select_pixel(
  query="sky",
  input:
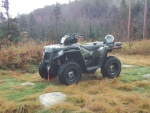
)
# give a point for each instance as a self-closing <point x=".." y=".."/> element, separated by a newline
<point x="27" y="6"/>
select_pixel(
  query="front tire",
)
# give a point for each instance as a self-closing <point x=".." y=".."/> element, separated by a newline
<point x="111" y="67"/>
<point x="44" y="74"/>
<point x="69" y="73"/>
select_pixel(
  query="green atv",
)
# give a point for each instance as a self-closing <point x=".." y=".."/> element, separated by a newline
<point x="69" y="60"/>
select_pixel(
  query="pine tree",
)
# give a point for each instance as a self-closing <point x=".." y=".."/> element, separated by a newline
<point x="56" y="18"/>
<point x="8" y="27"/>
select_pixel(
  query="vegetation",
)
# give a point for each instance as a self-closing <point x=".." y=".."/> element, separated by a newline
<point x="20" y="56"/>
<point x="94" y="19"/>
<point x="136" y="48"/>
<point x="128" y="93"/>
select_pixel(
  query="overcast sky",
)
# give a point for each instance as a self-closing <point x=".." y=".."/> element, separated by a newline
<point x="27" y="6"/>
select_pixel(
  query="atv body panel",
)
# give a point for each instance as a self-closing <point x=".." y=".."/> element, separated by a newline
<point x="88" y="57"/>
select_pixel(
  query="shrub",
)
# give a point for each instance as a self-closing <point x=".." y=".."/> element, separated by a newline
<point x="136" y="48"/>
<point x="20" y="55"/>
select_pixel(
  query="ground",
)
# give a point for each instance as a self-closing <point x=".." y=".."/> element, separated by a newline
<point x="129" y="93"/>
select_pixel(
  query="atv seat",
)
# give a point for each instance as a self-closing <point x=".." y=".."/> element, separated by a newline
<point x="90" y="47"/>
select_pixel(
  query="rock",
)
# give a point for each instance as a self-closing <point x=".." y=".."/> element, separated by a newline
<point x="28" y="84"/>
<point x="50" y="99"/>
<point x="146" y="76"/>
<point x="128" y="66"/>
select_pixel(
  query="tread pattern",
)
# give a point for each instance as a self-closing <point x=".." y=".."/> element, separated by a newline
<point x="63" y="69"/>
<point x="105" y="67"/>
<point x="43" y="72"/>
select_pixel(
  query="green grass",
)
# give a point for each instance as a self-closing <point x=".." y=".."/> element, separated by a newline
<point x="134" y="74"/>
<point x="128" y="93"/>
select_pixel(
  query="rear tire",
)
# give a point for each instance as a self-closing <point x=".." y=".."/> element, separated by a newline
<point x="43" y="72"/>
<point x="111" y="67"/>
<point x="69" y="73"/>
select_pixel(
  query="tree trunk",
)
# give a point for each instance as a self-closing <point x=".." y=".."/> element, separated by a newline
<point x="129" y="21"/>
<point x="145" y="21"/>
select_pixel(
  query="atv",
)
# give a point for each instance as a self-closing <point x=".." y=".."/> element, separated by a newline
<point x="69" y="60"/>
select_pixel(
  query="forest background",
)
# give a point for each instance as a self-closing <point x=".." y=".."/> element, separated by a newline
<point x="92" y="18"/>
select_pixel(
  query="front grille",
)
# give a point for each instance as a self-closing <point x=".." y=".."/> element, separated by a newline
<point x="47" y="56"/>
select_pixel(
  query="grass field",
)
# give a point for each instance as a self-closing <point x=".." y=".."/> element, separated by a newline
<point x="130" y="93"/>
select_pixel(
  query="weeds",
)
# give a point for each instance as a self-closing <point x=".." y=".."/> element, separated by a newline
<point x="136" y="48"/>
<point x="129" y="93"/>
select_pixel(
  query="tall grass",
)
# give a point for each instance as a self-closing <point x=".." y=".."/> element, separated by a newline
<point x="130" y="93"/>
<point x="21" y="55"/>
<point x="136" y="48"/>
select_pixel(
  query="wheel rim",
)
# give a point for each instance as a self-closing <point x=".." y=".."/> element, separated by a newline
<point x="72" y="75"/>
<point x="113" y="68"/>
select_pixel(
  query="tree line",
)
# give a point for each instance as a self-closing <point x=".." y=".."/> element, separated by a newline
<point x="94" y="19"/>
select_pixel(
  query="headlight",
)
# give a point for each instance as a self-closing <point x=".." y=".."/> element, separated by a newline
<point x="61" y="52"/>
<point x="109" y="39"/>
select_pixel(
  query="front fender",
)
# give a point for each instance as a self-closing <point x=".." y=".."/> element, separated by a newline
<point x="77" y="57"/>
<point x="103" y="54"/>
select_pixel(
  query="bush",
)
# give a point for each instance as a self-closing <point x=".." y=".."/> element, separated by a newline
<point x="21" y="55"/>
<point x="136" y="48"/>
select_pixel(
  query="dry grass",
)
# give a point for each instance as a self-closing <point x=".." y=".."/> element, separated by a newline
<point x="36" y="78"/>
<point x="33" y="98"/>
<point x="139" y="60"/>
<point x="88" y="96"/>
<point x="143" y="83"/>
<point x="80" y="100"/>
<point x="136" y="48"/>
<point x="18" y="88"/>
<point x="93" y="94"/>
<point x="24" y="107"/>
<point x="62" y="108"/>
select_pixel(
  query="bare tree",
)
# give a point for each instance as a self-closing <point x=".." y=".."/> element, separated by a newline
<point x="5" y="5"/>
<point x="145" y="20"/>
<point x="129" y="21"/>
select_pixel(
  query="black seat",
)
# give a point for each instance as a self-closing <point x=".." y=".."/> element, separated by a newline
<point x="90" y="47"/>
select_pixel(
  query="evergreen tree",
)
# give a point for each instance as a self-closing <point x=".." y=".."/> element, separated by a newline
<point x="56" y="15"/>
<point x="8" y="26"/>
<point x="92" y="34"/>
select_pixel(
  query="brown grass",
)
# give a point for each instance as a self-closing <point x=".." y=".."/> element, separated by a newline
<point x="142" y="83"/>
<point x="80" y="100"/>
<point x="126" y="87"/>
<point x="62" y="108"/>
<point x="93" y="94"/>
<point x="136" y="48"/>
<point x="18" y="88"/>
<point x="23" y="107"/>
<point x="139" y="60"/>
<point x="99" y="107"/>
<point x="36" y="78"/>
<point x="33" y="97"/>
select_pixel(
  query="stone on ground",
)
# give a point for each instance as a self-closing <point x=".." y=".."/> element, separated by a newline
<point x="146" y="76"/>
<point x="50" y="99"/>
<point x="27" y="84"/>
<point x="128" y="66"/>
